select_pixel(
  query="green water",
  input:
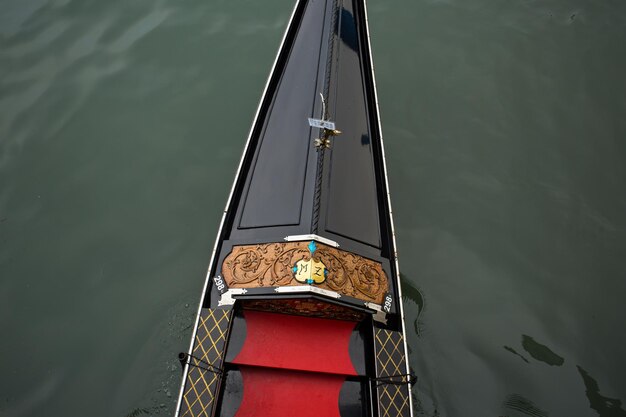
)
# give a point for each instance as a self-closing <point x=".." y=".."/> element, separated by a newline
<point x="121" y="126"/>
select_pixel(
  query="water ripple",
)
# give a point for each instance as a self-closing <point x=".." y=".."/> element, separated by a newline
<point x="139" y="29"/>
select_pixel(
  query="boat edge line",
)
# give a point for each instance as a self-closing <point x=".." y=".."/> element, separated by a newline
<point x="393" y="232"/>
<point x="228" y="203"/>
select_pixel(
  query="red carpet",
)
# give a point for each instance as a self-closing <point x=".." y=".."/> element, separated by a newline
<point x="276" y="351"/>
<point x="297" y="343"/>
<point x="279" y="393"/>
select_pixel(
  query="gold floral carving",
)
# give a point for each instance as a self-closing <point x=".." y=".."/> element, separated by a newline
<point x="271" y="265"/>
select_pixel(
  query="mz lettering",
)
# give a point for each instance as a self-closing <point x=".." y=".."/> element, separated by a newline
<point x="310" y="271"/>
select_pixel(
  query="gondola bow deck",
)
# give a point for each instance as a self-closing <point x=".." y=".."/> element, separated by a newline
<point x="301" y="313"/>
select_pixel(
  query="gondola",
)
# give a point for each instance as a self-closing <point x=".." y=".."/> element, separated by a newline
<point x="301" y="312"/>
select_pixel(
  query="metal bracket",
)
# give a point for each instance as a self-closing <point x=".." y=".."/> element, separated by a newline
<point x="299" y="238"/>
<point x="307" y="288"/>
<point x="373" y="306"/>
<point x="379" y="315"/>
<point x="227" y="298"/>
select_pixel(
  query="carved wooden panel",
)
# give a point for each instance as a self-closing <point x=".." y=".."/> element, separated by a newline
<point x="276" y="264"/>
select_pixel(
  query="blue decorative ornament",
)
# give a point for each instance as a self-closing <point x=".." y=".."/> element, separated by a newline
<point x="312" y="247"/>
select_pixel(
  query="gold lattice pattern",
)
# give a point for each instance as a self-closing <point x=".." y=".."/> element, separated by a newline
<point x="390" y="359"/>
<point x="202" y="383"/>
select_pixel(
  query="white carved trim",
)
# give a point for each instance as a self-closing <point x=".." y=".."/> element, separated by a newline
<point x="300" y="238"/>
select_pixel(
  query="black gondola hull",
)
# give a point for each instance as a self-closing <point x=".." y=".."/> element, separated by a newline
<point x="303" y="289"/>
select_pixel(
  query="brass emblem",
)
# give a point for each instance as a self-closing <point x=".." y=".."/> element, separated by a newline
<point x="326" y="126"/>
<point x="311" y="271"/>
<point x="324" y="141"/>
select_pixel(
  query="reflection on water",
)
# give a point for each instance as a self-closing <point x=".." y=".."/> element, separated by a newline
<point x="410" y="292"/>
<point x="606" y="407"/>
<point x="513" y="351"/>
<point x="523" y="405"/>
<point x="541" y="352"/>
<point x="149" y="411"/>
<point x="503" y="127"/>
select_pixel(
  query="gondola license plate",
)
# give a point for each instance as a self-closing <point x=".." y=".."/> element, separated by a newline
<point x="322" y="124"/>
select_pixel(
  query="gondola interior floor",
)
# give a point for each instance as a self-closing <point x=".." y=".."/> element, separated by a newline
<point x="293" y="365"/>
<point x="297" y="343"/>
<point x="281" y="393"/>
